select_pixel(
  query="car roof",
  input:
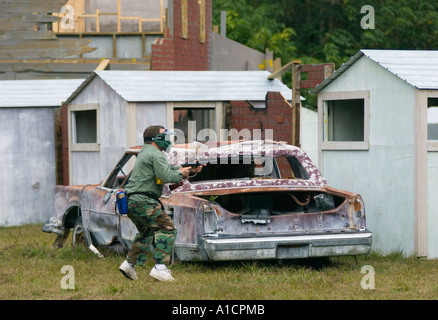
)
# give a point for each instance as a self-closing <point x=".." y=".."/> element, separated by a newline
<point x="182" y="153"/>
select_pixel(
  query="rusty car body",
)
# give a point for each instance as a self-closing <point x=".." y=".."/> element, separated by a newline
<point x="252" y="200"/>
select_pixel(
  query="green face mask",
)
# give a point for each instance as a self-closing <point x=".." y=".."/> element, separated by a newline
<point x="163" y="140"/>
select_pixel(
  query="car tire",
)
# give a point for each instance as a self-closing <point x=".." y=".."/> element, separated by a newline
<point x="79" y="238"/>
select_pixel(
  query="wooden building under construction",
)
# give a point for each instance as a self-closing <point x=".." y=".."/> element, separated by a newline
<point x="69" y="39"/>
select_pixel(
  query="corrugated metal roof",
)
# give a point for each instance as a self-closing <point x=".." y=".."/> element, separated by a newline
<point x="36" y="93"/>
<point x="136" y="86"/>
<point x="419" y="68"/>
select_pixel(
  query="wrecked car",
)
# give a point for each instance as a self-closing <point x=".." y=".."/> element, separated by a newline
<point x="252" y="200"/>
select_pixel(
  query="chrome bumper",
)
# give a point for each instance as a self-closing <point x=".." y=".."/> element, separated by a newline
<point x="287" y="247"/>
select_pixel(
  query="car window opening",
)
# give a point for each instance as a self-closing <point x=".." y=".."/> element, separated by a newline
<point x="277" y="203"/>
<point x="118" y="177"/>
<point x="251" y="168"/>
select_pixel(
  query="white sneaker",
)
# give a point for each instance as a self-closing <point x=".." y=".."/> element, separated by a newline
<point x="128" y="271"/>
<point x="161" y="274"/>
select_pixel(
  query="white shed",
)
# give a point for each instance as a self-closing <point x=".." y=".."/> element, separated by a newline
<point x="111" y="109"/>
<point x="27" y="148"/>
<point x="378" y="136"/>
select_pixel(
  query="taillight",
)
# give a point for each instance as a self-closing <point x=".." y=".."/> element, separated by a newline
<point x="357" y="213"/>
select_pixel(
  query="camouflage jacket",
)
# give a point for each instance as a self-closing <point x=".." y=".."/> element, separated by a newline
<point x="150" y="172"/>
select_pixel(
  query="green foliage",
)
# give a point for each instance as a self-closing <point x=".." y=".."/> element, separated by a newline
<point x="257" y="26"/>
<point x="329" y="31"/>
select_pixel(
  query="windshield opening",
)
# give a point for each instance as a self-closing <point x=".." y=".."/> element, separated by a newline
<point x="119" y="177"/>
<point x="251" y="168"/>
<point x="237" y="168"/>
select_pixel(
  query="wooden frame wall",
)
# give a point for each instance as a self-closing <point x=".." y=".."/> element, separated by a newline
<point x="80" y="18"/>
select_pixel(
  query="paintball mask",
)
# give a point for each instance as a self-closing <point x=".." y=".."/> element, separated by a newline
<point x="163" y="139"/>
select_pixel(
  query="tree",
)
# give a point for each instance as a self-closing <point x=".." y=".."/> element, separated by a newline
<point x="257" y="26"/>
<point x="329" y="30"/>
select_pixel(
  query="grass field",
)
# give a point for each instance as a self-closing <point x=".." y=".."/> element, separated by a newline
<point x="31" y="269"/>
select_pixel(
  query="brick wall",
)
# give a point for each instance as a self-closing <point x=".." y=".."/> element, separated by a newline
<point x="276" y="116"/>
<point x="163" y="55"/>
<point x="316" y="73"/>
<point x="178" y="53"/>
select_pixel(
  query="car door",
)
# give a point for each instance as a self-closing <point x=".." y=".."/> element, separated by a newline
<point x="106" y="225"/>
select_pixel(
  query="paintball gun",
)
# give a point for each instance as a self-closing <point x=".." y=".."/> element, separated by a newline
<point x="191" y="164"/>
<point x="185" y="165"/>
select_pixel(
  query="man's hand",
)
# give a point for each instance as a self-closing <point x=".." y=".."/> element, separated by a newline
<point x="185" y="171"/>
<point x="197" y="168"/>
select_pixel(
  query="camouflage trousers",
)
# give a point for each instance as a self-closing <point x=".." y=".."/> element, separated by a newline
<point x="154" y="228"/>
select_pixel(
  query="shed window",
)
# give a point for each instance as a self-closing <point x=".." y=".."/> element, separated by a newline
<point x="191" y="120"/>
<point x="432" y="118"/>
<point x="196" y="121"/>
<point x="84" y="126"/>
<point x="345" y="120"/>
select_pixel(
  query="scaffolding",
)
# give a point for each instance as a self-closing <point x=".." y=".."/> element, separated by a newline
<point x="78" y="13"/>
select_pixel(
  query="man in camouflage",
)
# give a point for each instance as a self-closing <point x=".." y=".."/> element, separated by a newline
<point x="150" y="172"/>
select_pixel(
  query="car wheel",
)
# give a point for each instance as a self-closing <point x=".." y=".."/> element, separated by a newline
<point x="79" y="237"/>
